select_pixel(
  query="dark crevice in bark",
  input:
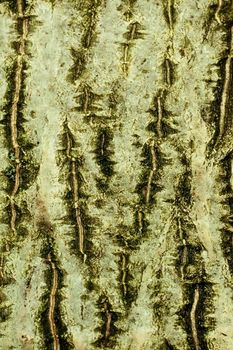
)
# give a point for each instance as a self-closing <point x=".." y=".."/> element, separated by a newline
<point x="103" y="156"/>
<point x="5" y="279"/>
<point x="75" y="196"/>
<point x="157" y="309"/>
<point x="22" y="169"/>
<point x="113" y="99"/>
<point x="23" y="217"/>
<point x="134" y="32"/>
<point x="216" y="108"/>
<point x="212" y="118"/>
<point x="127" y="237"/>
<point x="88" y="10"/>
<point x="226" y="14"/>
<point x="194" y="314"/>
<point x="127" y="7"/>
<point x="126" y="281"/>
<point x="53" y="328"/>
<point x="189" y="263"/>
<point x="210" y="19"/>
<point x="132" y="35"/>
<point x="160" y="124"/>
<point x="205" y="321"/>
<point x="49" y="315"/>
<point x="222" y="107"/>
<point x="226" y="232"/>
<point x="5" y="276"/>
<point x="108" y="330"/>
<point x="190" y="267"/>
<point x="184" y="195"/>
<point x="103" y="143"/>
<point x="14" y="5"/>
<point x="123" y="273"/>
<point x="28" y="167"/>
<point x="167" y="346"/>
<point x="10" y="171"/>
<point x="79" y="64"/>
<point x="86" y="101"/>
<point x="5" y="313"/>
<point x="140" y="222"/>
<point x="90" y="112"/>
<point x="128" y="241"/>
<point x="197" y="290"/>
<point x="169" y="13"/>
<point x="168" y="72"/>
<point x="147" y="186"/>
<point x="90" y="13"/>
<point x="9" y="95"/>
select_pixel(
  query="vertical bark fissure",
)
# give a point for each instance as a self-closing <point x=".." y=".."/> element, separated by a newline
<point x="124" y="274"/>
<point x="108" y="321"/>
<point x="152" y="171"/>
<point x="160" y="115"/>
<point x="170" y="15"/>
<point x="92" y="112"/>
<point x="227" y="241"/>
<point x="217" y="13"/>
<point x="226" y="90"/>
<point x="149" y="189"/>
<point x="75" y="190"/>
<point x="203" y="250"/>
<point x="193" y="318"/>
<point x="14" y="108"/>
<point x="52" y="304"/>
<point x="90" y="28"/>
<point x="85" y="103"/>
<point x="131" y="35"/>
<point x="168" y="72"/>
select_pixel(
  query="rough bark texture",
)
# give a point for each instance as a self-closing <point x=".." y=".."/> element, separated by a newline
<point x="116" y="174"/>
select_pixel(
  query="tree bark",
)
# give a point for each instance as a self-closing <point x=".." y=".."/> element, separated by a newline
<point x="116" y="174"/>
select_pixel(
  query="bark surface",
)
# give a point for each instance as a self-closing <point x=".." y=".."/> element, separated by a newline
<point x="116" y="174"/>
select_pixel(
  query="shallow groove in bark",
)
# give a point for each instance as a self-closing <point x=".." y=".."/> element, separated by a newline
<point x="108" y="330"/>
<point x="227" y="241"/>
<point x="227" y="84"/>
<point x="103" y="154"/>
<point x="222" y="107"/>
<point x="90" y="111"/>
<point x="86" y="102"/>
<point x="169" y="13"/>
<point x="55" y="335"/>
<point x="75" y="186"/>
<point x="12" y="118"/>
<point x="13" y="110"/>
